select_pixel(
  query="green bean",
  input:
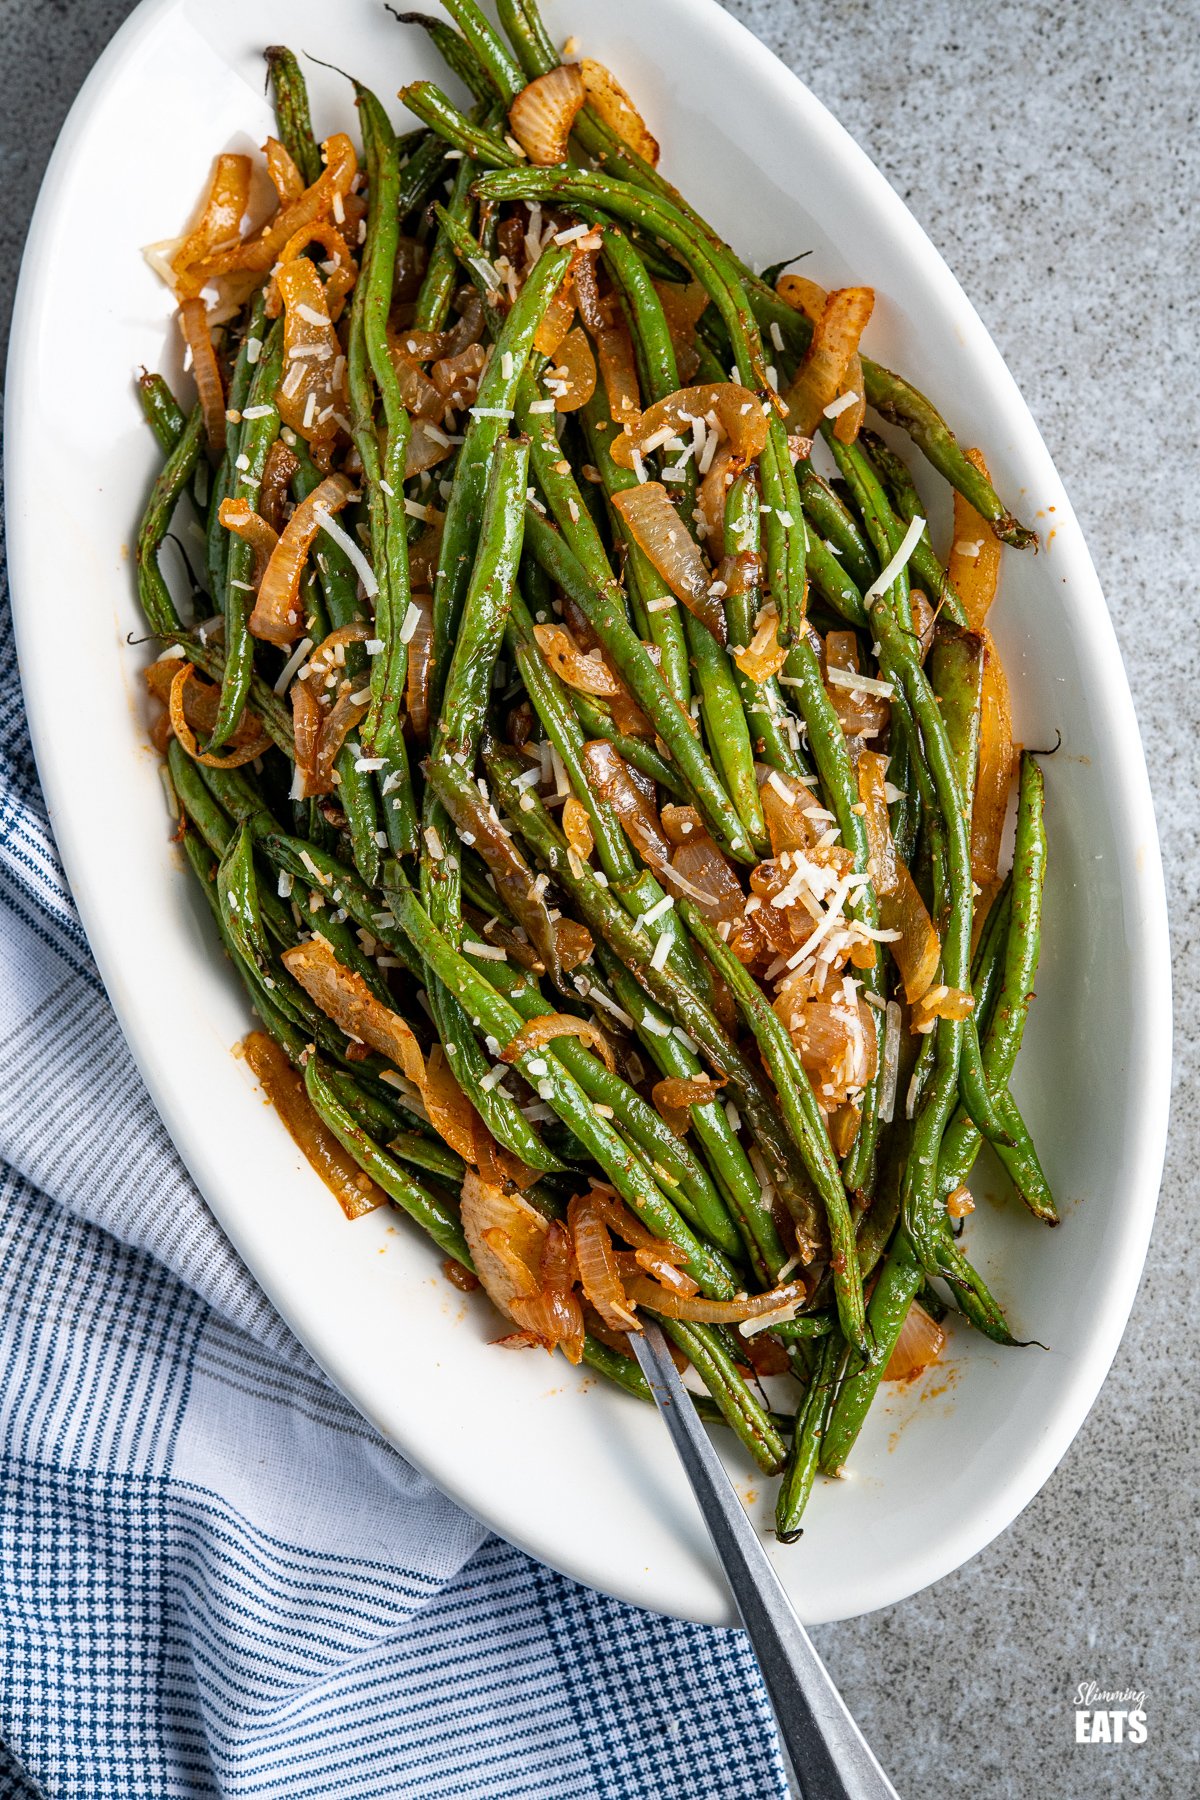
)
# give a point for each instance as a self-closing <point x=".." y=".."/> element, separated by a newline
<point x="677" y="1170"/>
<point x="153" y="592"/>
<point x="803" y="1116"/>
<point x="431" y="1214"/>
<point x="893" y="1294"/>
<point x="766" y="709"/>
<point x="906" y="503"/>
<point x="528" y="37"/>
<point x="605" y="614"/>
<point x="437" y="285"/>
<point x="605" y="916"/>
<point x="639" y="752"/>
<point x="436" y="109"/>
<point x="255" y="440"/>
<point x="459" y="56"/>
<point x="485" y="608"/>
<point x="734" y="1176"/>
<point x="494" y="403"/>
<point x="291" y="112"/>
<point x="801" y="1467"/>
<point x="368" y="349"/>
<point x="163" y="413"/>
<point x="746" y="1418"/>
<point x="488" y="47"/>
<point x="896" y="400"/>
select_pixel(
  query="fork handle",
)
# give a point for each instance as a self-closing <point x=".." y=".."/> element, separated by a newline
<point x="829" y="1754"/>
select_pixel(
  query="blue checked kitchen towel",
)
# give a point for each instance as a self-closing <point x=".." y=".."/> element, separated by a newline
<point x="215" y="1578"/>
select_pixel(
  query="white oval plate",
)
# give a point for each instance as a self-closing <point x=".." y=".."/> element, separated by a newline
<point x="585" y="1481"/>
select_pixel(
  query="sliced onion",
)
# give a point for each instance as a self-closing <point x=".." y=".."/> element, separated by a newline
<point x="586" y="674"/>
<point x="341" y="278"/>
<point x="307" y="714"/>
<point x="920" y="1343"/>
<point x="420" y="666"/>
<point x="708" y="879"/>
<point x="468" y="327"/>
<point x="285" y="176"/>
<point x="422" y="396"/>
<point x="313" y="388"/>
<point x="764" y="655"/>
<point x="577" y="828"/>
<point x="681" y="1091"/>
<point x="974" y="565"/>
<point x="201" y="703"/>
<point x="822" y="374"/>
<point x="344" y="997"/>
<point x="544" y="112"/>
<point x="837" y="1044"/>
<point x="239" y="517"/>
<point x="554" y="1314"/>
<point x="917" y="950"/>
<point x="737" y="410"/>
<point x="960" y="1203"/>
<point x="193" y="320"/>
<point x="456" y="378"/>
<point x="278" y="470"/>
<point x="277" y="614"/>
<point x="256" y="255"/>
<point x="598" y="1264"/>
<point x="356" y="1193"/>
<point x="872" y="791"/>
<point x="618" y="371"/>
<point x="613" y="780"/>
<point x="544" y="1030"/>
<point x="683" y="304"/>
<point x="343" y="717"/>
<point x="573" y="944"/>
<point x="997" y="762"/>
<point x="574" y="374"/>
<point x="606" y="95"/>
<point x="507" y="1263"/>
<point x="941" y="1002"/>
<point x="557" y="319"/>
<point x="860" y="712"/>
<point x="219" y="225"/>
<point x="657" y="529"/>
<point x="711" y="499"/>
<point x="427" y="447"/>
<point x="516" y="886"/>
<point x="177" y="710"/>
<point x="423" y="556"/>
<point x="702" y="1311"/>
<point x="802" y="295"/>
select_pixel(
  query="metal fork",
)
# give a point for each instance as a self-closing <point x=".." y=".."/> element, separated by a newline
<point x="831" y="1758"/>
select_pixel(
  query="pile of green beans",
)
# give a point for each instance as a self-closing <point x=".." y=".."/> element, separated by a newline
<point x="443" y="842"/>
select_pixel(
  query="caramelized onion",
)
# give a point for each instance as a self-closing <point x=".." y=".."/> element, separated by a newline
<point x="307" y="714"/>
<point x="917" y="950"/>
<point x="606" y="95"/>
<point x="505" y="1236"/>
<point x="549" y="1026"/>
<point x="675" y="1095"/>
<point x="428" y="446"/>
<point x="993" y="779"/>
<point x="860" y="712"/>
<point x="277" y="616"/>
<point x="657" y="530"/>
<point x="974" y="565"/>
<point x="737" y="410"/>
<point x="554" y="1313"/>
<point x="257" y="255"/>
<point x="597" y="1264"/>
<point x="557" y="319"/>
<point x="920" y="1343"/>
<point x="201" y="703"/>
<point x="872" y="791"/>
<point x="177" y="710"/>
<point x="544" y="112"/>
<point x="356" y="1193"/>
<point x="284" y="175"/>
<point x="764" y="655"/>
<point x="239" y="517"/>
<point x="344" y="997"/>
<point x="281" y="465"/>
<point x="572" y="381"/>
<point x="822" y="374"/>
<point x="784" y="1300"/>
<point x="613" y="780"/>
<point x="618" y="371"/>
<point x="313" y="388"/>
<point x="343" y="717"/>
<point x="456" y="378"/>
<point x="586" y="674"/>
<point x="577" y="828"/>
<point x="219" y="224"/>
<point x="193" y="320"/>
<point x="941" y="1002"/>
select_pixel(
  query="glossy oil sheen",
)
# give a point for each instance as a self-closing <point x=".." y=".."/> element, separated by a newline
<point x="577" y="1474"/>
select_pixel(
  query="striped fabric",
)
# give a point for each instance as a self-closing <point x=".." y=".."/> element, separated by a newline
<point x="215" y="1578"/>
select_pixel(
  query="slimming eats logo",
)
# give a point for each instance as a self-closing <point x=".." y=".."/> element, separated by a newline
<point x="1109" y="1717"/>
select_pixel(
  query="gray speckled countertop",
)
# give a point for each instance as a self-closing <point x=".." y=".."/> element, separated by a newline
<point x="1051" y="152"/>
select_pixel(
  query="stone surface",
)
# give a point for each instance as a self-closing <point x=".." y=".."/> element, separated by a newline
<point x="1051" y="152"/>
